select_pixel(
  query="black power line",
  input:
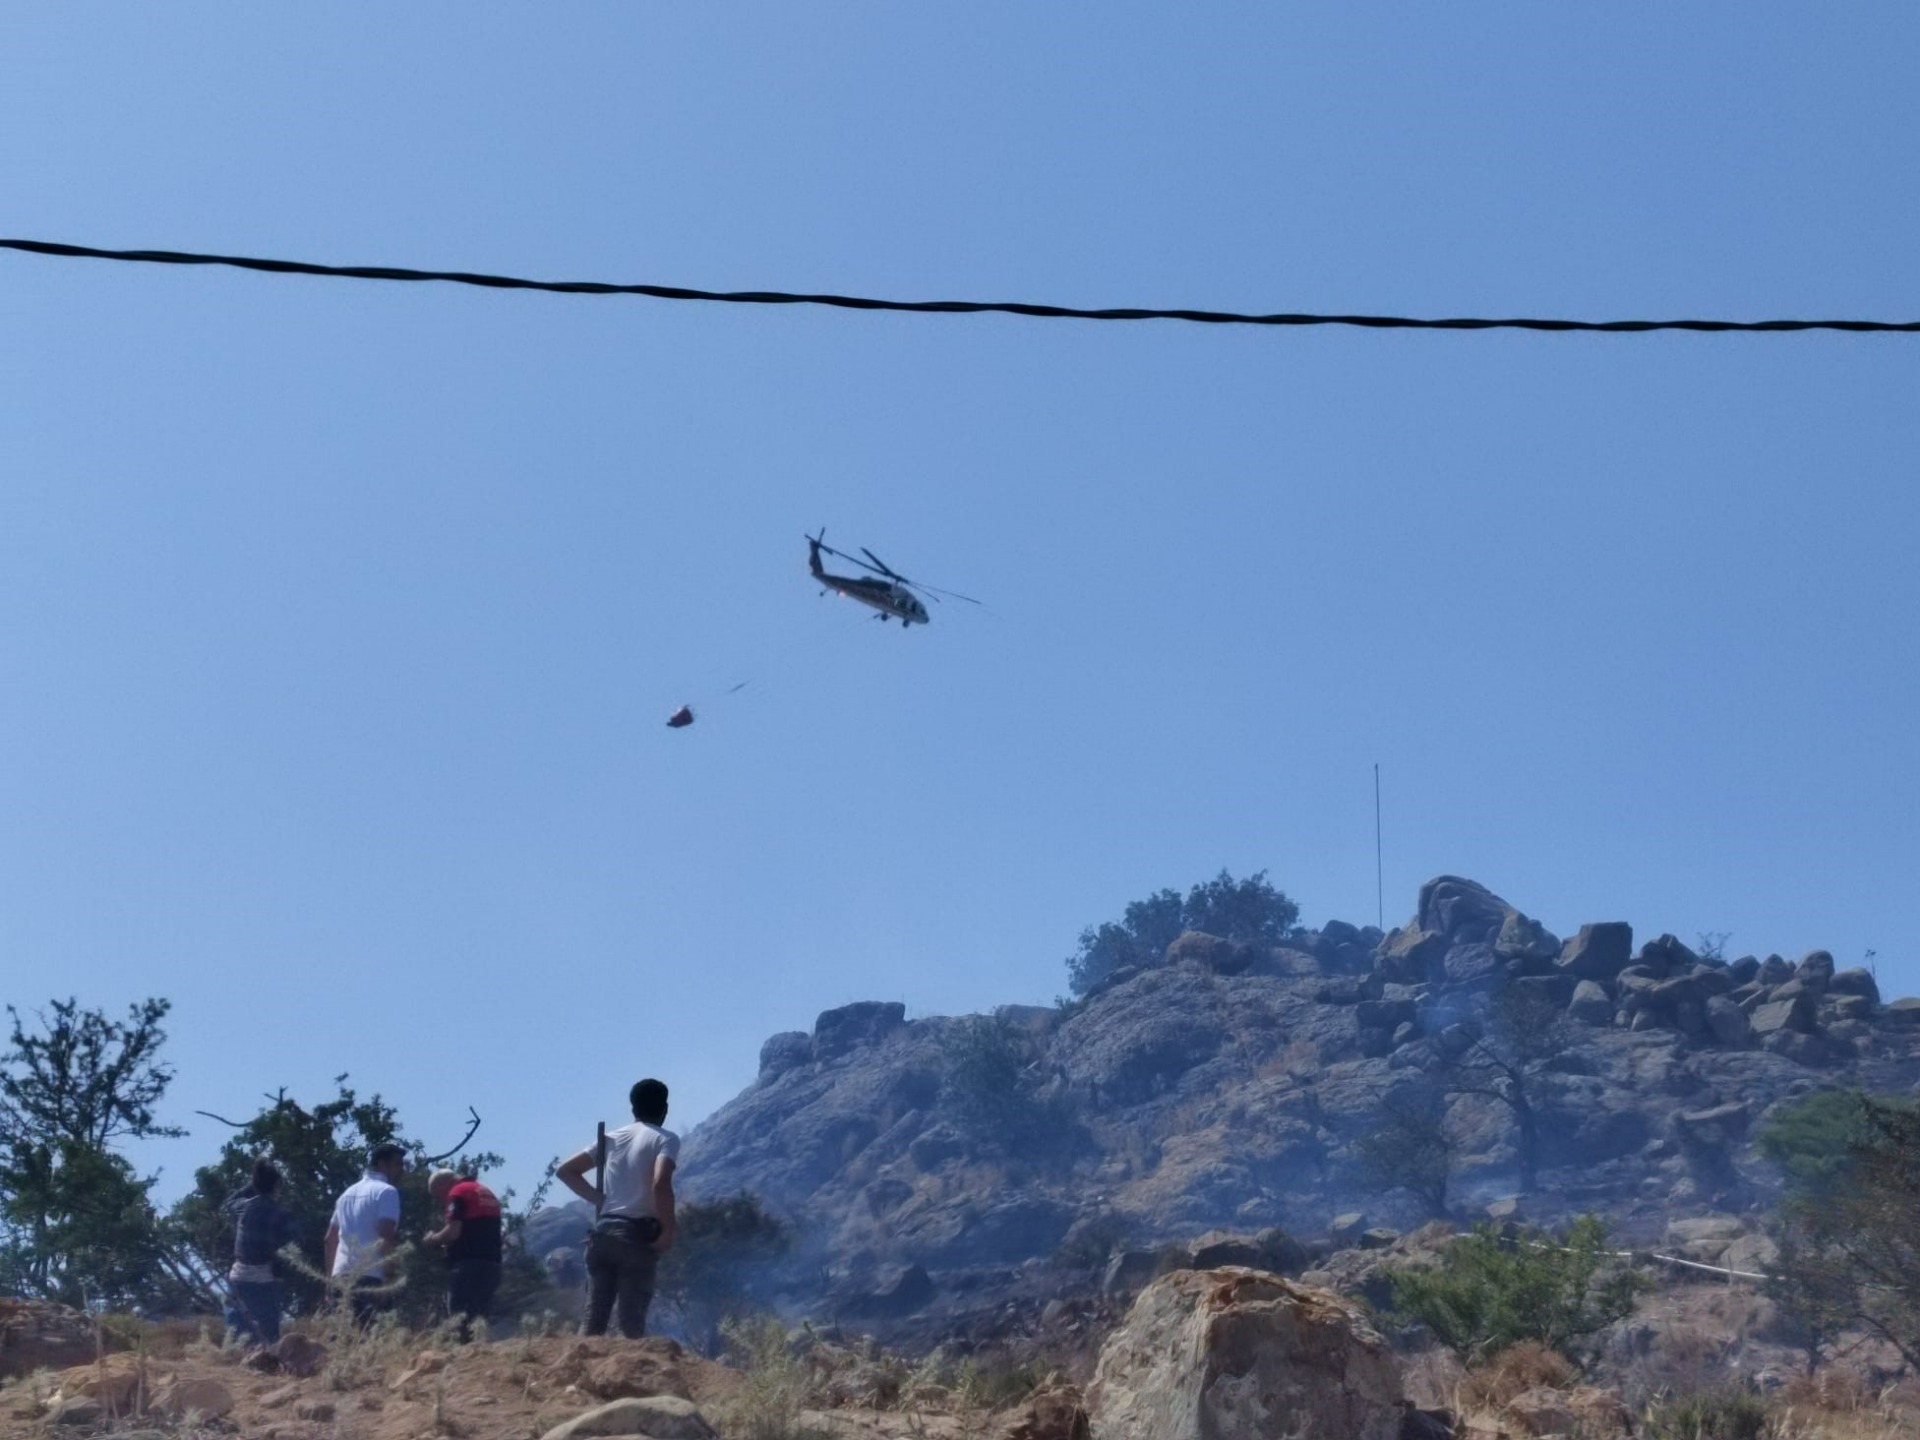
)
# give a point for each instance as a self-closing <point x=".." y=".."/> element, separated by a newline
<point x="940" y="307"/>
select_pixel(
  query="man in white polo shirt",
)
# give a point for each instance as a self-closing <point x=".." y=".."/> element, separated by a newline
<point x="635" y="1206"/>
<point x="365" y="1229"/>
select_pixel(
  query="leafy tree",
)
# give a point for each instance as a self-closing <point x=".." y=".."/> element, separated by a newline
<point x="1815" y="1300"/>
<point x="79" y="1228"/>
<point x="1409" y="1149"/>
<point x="1850" y="1229"/>
<point x="1491" y="1291"/>
<point x="85" y="1078"/>
<point x="76" y="1224"/>
<point x="1247" y="909"/>
<point x="722" y="1248"/>
<point x="1505" y="1059"/>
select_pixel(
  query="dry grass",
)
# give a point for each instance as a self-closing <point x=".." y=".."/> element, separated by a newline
<point x="1686" y="1360"/>
<point x="777" y="1384"/>
<point x="1526" y="1366"/>
<point x="1840" y="1404"/>
<point x="1298" y="1058"/>
<point x="362" y="1355"/>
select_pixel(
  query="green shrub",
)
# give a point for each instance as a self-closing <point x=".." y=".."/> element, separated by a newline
<point x="1714" y="1415"/>
<point x="990" y="1091"/>
<point x="1248" y="909"/>
<point x="722" y="1248"/>
<point x="1491" y="1290"/>
<point x="1813" y="1138"/>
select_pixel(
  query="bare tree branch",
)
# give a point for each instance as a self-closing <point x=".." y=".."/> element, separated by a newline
<point x="472" y="1128"/>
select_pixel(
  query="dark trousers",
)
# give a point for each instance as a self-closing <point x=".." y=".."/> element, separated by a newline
<point x="370" y="1299"/>
<point x="620" y="1271"/>
<point x="253" y="1309"/>
<point x="470" y="1288"/>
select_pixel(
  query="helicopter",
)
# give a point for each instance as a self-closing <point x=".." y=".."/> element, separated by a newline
<point x="891" y="593"/>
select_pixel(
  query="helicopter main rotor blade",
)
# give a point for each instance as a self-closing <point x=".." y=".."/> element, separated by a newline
<point x="856" y="560"/>
<point x="935" y="590"/>
<point x="881" y="567"/>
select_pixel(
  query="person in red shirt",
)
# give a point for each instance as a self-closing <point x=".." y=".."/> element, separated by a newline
<point x="470" y="1231"/>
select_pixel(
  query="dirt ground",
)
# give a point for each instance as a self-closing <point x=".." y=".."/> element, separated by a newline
<point x="401" y="1386"/>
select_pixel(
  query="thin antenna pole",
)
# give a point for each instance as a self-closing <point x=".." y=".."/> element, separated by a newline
<point x="1379" y="870"/>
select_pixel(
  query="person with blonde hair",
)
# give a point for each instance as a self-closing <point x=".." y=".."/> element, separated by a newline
<point x="470" y="1231"/>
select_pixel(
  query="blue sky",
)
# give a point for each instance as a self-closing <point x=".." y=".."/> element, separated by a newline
<point x="340" y="620"/>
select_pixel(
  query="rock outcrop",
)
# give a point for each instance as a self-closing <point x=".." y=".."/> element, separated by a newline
<point x="39" y="1335"/>
<point x="1229" y="1089"/>
<point x="1235" y="1354"/>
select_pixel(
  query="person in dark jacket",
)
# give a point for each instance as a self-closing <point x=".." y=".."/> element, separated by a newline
<point x="471" y="1232"/>
<point x="263" y="1227"/>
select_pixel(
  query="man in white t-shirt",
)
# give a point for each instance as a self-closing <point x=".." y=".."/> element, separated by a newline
<point x="364" y="1230"/>
<point x="634" y="1203"/>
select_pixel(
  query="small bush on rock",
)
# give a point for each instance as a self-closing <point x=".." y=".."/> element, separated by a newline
<point x="1814" y="1138"/>
<point x="991" y="1093"/>
<point x="1715" y="1415"/>
<point x="1526" y="1366"/>
<point x="1410" y="1149"/>
<point x="724" y="1245"/>
<point x="1247" y="909"/>
<point x="1493" y="1290"/>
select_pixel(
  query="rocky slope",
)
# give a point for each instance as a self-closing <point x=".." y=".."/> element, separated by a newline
<point x="1227" y="1087"/>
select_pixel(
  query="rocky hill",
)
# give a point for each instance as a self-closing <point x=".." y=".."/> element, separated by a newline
<point x="1226" y="1088"/>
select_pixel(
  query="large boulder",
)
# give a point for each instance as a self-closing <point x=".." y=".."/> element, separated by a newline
<point x="40" y="1335"/>
<point x="1235" y="1354"/>
<point x="897" y="1291"/>
<point x="1590" y="1004"/>
<point x="1774" y="1016"/>
<point x="1665" y="955"/>
<point x="1463" y="934"/>
<point x="783" y="1052"/>
<point x="1473" y="963"/>
<point x="1523" y="939"/>
<point x="1464" y="911"/>
<point x="183" y="1397"/>
<point x="1728" y="1022"/>
<point x="659" y="1417"/>
<point x="1213" y="952"/>
<point x="1409" y="955"/>
<point x="1815" y="970"/>
<point x="866" y="1022"/>
<point x="1904" y="1011"/>
<point x="1857" y="981"/>
<point x="1598" y="952"/>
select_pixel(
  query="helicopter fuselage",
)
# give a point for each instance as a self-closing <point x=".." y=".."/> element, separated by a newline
<point x="892" y="599"/>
